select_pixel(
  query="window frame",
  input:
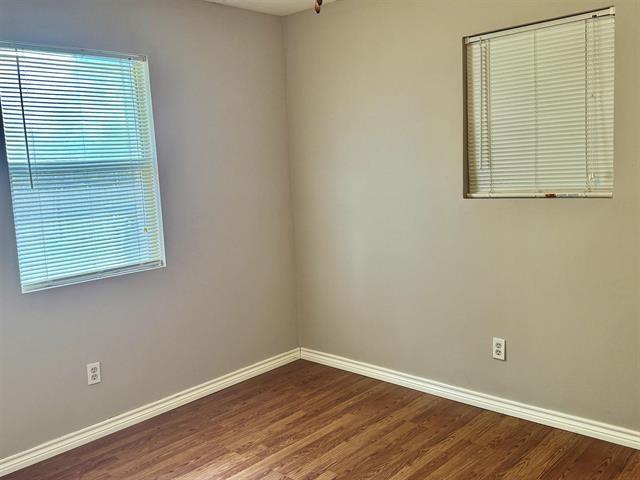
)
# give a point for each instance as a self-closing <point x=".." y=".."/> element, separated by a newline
<point x="158" y="263"/>
<point x="466" y="40"/>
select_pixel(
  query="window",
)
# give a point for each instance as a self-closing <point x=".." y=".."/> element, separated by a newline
<point x="79" y="142"/>
<point x="539" y="102"/>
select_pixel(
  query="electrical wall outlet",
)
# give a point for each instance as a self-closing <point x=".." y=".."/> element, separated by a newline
<point x="499" y="348"/>
<point x="93" y="373"/>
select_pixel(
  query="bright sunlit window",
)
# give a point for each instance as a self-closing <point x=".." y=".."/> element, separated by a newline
<point x="79" y="143"/>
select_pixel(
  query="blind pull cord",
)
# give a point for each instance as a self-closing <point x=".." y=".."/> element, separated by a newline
<point x="482" y="99"/>
<point x="24" y="119"/>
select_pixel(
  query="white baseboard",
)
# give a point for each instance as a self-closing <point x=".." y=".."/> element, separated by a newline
<point x="591" y="428"/>
<point x="583" y="426"/>
<point x="124" y="420"/>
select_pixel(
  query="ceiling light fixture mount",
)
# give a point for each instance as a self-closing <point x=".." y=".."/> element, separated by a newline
<point x="318" y="6"/>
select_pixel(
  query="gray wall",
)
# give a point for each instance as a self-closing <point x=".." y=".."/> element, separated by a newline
<point x="396" y="269"/>
<point x="226" y="298"/>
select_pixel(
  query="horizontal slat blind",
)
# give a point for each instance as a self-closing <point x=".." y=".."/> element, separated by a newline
<point x="540" y="110"/>
<point x="81" y="152"/>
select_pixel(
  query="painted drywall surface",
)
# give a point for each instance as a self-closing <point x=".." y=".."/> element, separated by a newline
<point x="395" y="268"/>
<point x="225" y="299"/>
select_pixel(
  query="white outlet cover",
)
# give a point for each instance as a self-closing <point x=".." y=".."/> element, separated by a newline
<point x="94" y="375"/>
<point x="499" y="349"/>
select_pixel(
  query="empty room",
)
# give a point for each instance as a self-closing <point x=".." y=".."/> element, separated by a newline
<point x="319" y="239"/>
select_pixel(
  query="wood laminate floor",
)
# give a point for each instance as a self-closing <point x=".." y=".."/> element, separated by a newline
<point x="307" y="421"/>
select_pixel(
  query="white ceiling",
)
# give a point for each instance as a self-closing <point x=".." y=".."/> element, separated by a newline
<point x="274" y="7"/>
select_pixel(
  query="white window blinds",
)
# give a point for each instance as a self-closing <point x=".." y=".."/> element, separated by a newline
<point x="540" y="109"/>
<point x="80" y="147"/>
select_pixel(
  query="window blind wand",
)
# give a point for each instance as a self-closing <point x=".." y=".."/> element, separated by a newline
<point x="24" y="119"/>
